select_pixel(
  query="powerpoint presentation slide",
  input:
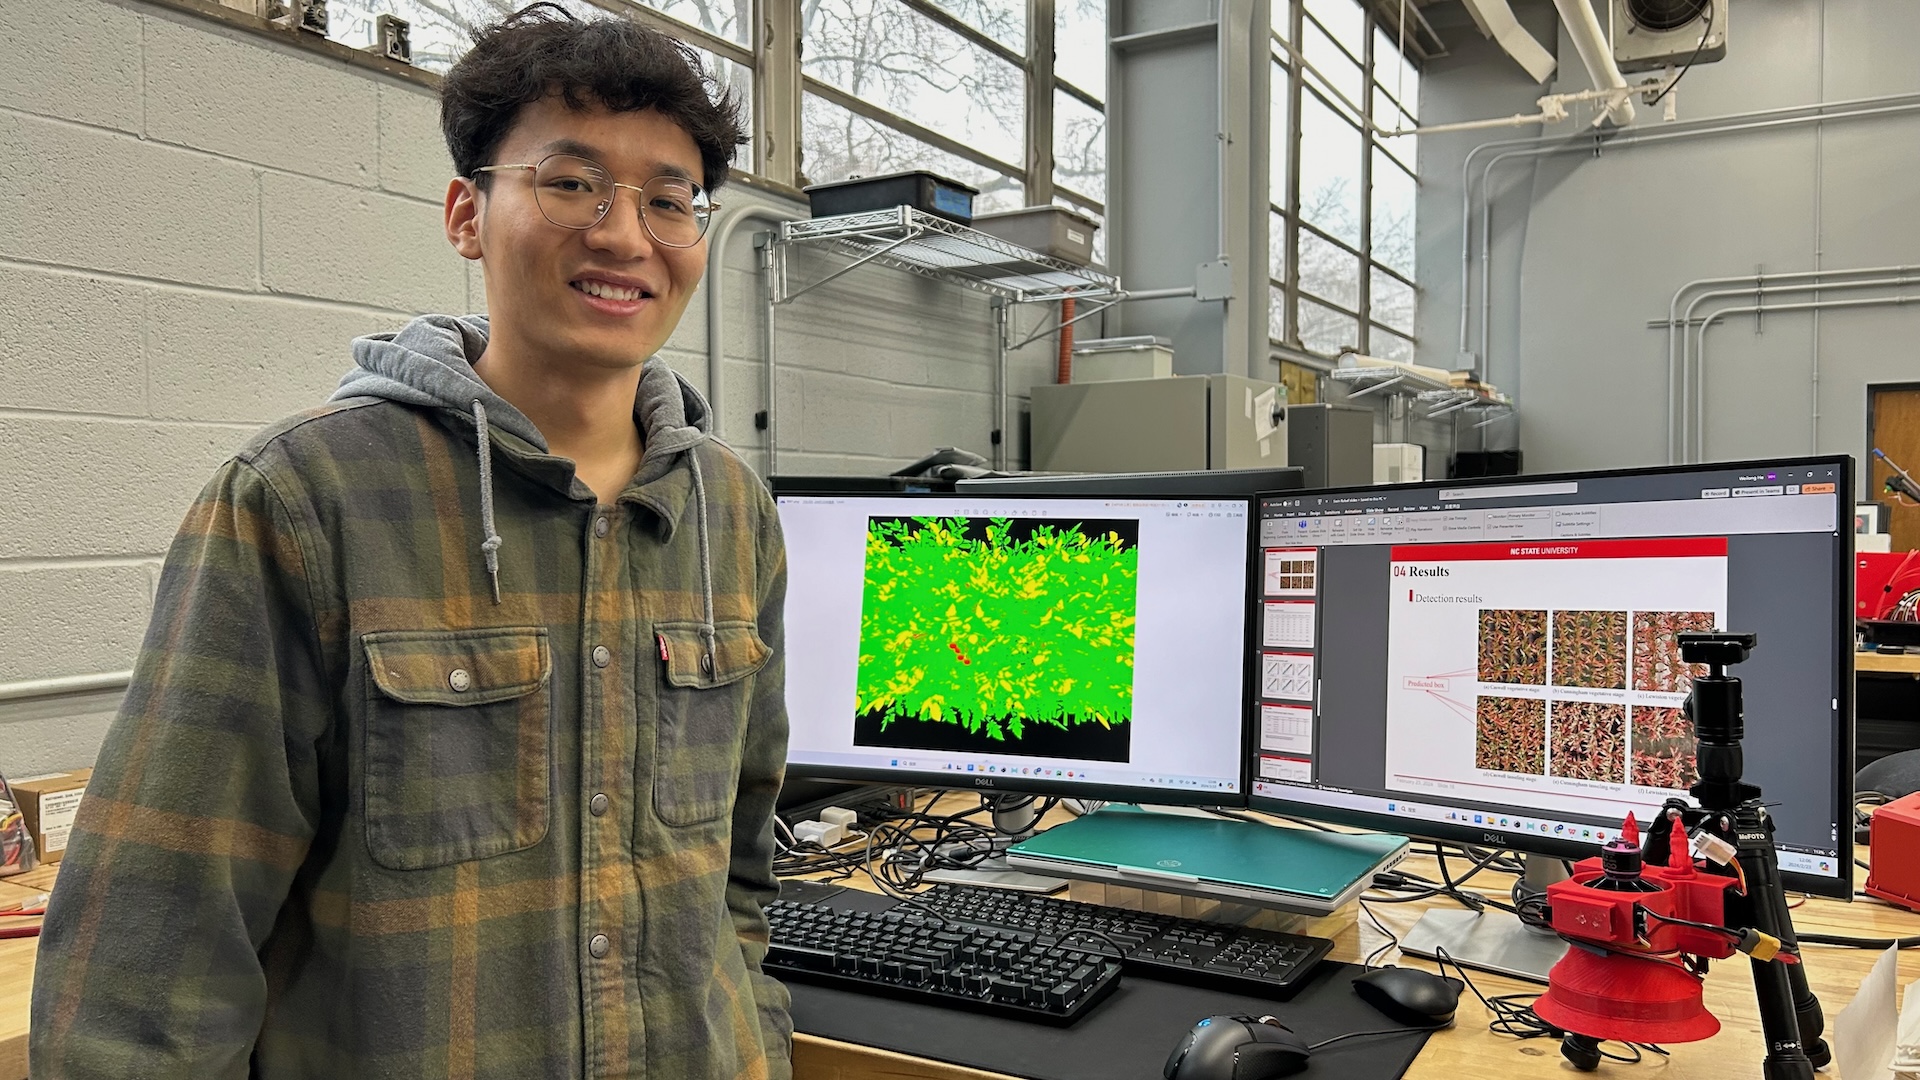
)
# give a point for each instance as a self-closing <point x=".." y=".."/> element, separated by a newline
<point x="1510" y="735"/>
<point x="1286" y="729"/>
<point x="1513" y="647"/>
<point x="1587" y="740"/>
<point x="1663" y="747"/>
<point x="1288" y="676"/>
<point x="1656" y="649"/>
<point x="1292" y="571"/>
<point x="1292" y="770"/>
<point x="1008" y="635"/>
<point x="1590" y="649"/>
<point x="1288" y="624"/>
<point x="1514" y="669"/>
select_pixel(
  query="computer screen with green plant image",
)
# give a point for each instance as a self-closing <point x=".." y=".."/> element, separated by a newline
<point x="1014" y="643"/>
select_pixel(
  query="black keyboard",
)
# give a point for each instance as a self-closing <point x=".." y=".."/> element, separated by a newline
<point x="905" y="953"/>
<point x="1237" y="958"/>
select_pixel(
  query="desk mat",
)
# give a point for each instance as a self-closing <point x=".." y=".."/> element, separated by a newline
<point x="1127" y="1036"/>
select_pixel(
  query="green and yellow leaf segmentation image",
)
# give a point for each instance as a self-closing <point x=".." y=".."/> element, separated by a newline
<point x="1027" y="622"/>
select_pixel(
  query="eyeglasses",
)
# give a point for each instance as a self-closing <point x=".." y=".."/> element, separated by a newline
<point x="577" y="193"/>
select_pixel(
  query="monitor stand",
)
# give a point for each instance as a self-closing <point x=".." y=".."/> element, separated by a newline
<point x="1014" y="819"/>
<point x="1492" y="940"/>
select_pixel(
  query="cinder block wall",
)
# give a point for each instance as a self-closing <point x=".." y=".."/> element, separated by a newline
<point x="195" y="221"/>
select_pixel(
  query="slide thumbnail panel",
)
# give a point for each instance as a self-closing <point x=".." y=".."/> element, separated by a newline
<point x="1513" y="646"/>
<point x="1590" y="649"/>
<point x="1588" y="741"/>
<point x="1663" y="748"/>
<point x="1656" y="649"/>
<point x="1510" y="735"/>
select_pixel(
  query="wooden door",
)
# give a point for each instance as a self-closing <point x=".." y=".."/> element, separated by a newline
<point x="1893" y="425"/>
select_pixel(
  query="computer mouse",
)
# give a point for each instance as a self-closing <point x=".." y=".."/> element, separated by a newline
<point x="1411" y="996"/>
<point x="1237" y="1048"/>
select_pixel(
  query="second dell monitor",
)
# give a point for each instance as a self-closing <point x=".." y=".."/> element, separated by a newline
<point x="1085" y="644"/>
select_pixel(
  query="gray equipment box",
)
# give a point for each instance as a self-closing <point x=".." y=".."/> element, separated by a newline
<point x="1160" y="425"/>
<point x="1049" y="230"/>
<point x="1333" y="443"/>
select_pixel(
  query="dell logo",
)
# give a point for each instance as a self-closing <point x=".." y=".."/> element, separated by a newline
<point x="1493" y="838"/>
<point x="981" y="781"/>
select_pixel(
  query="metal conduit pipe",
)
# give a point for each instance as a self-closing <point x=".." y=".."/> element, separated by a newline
<point x="60" y="686"/>
<point x="1630" y="139"/>
<point x="1680" y="129"/>
<point x="716" y="252"/>
<point x="1759" y="282"/>
<point x="1751" y="309"/>
<point x="1689" y="369"/>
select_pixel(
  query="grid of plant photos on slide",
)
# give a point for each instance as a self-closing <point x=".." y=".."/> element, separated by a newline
<point x="1009" y="635"/>
<point x="1513" y="647"/>
<point x="1510" y="734"/>
<point x="1663" y="746"/>
<point x="1590" y="649"/>
<point x="1587" y="740"/>
<point x="1656" y="649"/>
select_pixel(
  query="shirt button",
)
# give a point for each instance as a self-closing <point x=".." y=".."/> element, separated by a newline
<point x="459" y="680"/>
<point x="602" y="656"/>
<point x="597" y="804"/>
<point x="598" y="945"/>
<point x="600" y="526"/>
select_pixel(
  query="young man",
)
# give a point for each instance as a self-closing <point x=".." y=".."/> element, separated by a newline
<point x="453" y="747"/>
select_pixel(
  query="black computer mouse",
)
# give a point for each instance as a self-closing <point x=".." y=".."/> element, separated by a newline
<point x="1237" y="1048"/>
<point x="1411" y="996"/>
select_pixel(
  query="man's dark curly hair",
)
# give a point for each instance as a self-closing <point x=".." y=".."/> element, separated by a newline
<point x="617" y="63"/>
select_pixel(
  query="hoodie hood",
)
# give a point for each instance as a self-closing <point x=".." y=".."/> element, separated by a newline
<point x="428" y="363"/>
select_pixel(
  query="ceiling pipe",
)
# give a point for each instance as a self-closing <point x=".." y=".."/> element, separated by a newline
<point x="716" y="304"/>
<point x="1583" y="26"/>
<point x="1761" y="309"/>
<point x="1495" y="20"/>
<point x="1680" y="362"/>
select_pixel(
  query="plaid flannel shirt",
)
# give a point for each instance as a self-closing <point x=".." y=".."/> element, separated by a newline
<point x="357" y="819"/>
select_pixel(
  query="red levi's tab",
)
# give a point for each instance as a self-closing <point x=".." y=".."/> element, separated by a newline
<point x="1636" y="548"/>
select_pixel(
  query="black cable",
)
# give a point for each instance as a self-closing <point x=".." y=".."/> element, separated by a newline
<point x="1705" y="32"/>
<point x="1845" y="942"/>
<point x="1364" y="1034"/>
<point x="1514" y="1015"/>
<point x="1119" y="952"/>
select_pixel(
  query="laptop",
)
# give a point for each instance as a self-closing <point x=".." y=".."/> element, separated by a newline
<point x="1297" y="870"/>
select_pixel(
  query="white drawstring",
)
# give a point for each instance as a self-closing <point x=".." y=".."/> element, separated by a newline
<point x="489" y="547"/>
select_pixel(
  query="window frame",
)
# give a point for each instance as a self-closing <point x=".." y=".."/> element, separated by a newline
<point x="1285" y="51"/>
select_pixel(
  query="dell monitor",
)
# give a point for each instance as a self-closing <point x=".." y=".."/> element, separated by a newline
<point x="1085" y="645"/>
<point x="1214" y="482"/>
<point x="1494" y="661"/>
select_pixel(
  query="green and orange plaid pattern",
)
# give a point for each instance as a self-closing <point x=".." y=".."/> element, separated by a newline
<point x="347" y="823"/>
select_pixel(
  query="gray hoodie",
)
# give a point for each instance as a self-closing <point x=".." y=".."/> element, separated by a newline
<point x="429" y="363"/>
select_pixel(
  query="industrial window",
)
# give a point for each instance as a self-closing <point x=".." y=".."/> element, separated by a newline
<point x="1341" y="197"/>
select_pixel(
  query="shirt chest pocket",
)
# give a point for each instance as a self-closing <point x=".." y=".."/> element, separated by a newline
<point x="704" y="701"/>
<point x="456" y="748"/>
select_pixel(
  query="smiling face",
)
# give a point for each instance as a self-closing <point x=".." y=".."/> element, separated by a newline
<point x="605" y="297"/>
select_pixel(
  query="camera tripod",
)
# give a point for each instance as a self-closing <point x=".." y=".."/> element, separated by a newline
<point x="1729" y="809"/>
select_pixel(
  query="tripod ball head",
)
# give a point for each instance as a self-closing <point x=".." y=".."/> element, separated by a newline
<point x="1718" y="651"/>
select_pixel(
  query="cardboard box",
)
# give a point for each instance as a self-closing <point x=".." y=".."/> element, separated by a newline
<point x="49" y="804"/>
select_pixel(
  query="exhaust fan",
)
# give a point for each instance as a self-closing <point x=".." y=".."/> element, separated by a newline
<point x="1653" y="34"/>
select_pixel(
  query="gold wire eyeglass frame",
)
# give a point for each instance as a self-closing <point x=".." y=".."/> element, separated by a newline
<point x="704" y="215"/>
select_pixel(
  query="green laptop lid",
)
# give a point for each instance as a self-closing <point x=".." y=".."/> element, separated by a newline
<point x="1303" y="862"/>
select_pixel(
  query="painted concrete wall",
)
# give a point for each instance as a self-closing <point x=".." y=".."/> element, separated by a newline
<point x="181" y="263"/>
<point x="1587" y="250"/>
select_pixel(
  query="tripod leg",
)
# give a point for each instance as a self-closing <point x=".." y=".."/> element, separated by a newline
<point x="1784" y="1013"/>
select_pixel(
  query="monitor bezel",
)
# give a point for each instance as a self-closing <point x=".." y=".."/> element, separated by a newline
<point x="1838" y="888"/>
<point x="1003" y="784"/>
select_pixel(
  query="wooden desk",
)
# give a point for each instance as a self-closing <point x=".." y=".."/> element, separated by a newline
<point x="1465" y="1050"/>
<point x="1468" y="1049"/>
<point x="16" y="971"/>
<point x="1880" y="663"/>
